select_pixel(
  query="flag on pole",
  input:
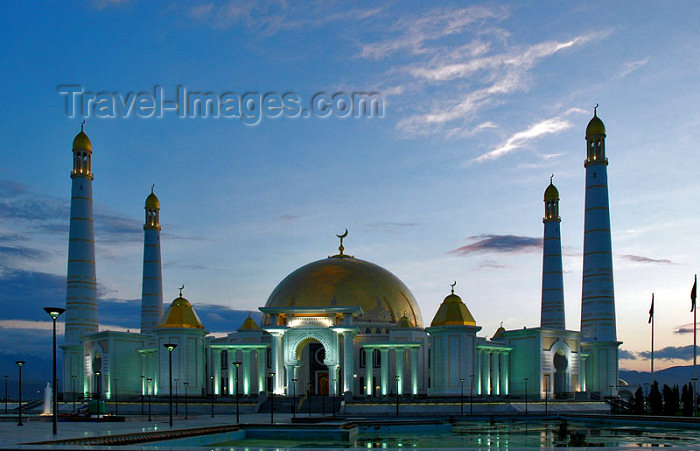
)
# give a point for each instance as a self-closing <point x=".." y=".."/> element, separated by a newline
<point x="693" y="293"/>
<point x="651" y="310"/>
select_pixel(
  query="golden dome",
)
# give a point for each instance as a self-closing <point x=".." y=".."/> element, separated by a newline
<point x="181" y="315"/>
<point x="152" y="202"/>
<point x="249" y="324"/>
<point x="595" y="127"/>
<point x="82" y="142"/>
<point x="551" y="193"/>
<point x="453" y="312"/>
<point x="344" y="281"/>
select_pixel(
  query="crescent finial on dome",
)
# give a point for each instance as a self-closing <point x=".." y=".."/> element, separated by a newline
<point x="452" y="285"/>
<point x="181" y="288"/>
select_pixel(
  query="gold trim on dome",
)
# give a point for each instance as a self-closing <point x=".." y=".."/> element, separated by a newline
<point x="181" y="315"/>
<point x="453" y="312"/>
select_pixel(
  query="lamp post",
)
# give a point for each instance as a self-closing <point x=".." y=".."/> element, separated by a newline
<point x="99" y="392"/>
<point x="646" y="396"/>
<point x="294" y="397"/>
<point x="546" y="393"/>
<point x="6" y="377"/>
<point x="72" y="389"/>
<point x="272" y="401"/>
<point x="471" y="394"/>
<point x="54" y="313"/>
<point x="461" y="396"/>
<point x="170" y="347"/>
<point x="19" y="364"/>
<point x="211" y="379"/>
<point x="695" y="390"/>
<point x="185" y="384"/>
<point x="237" y="364"/>
<point x="148" y="392"/>
<point x="612" y="403"/>
<point x="308" y="398"/>
<point x="398" y="378"/>
<point x="116" y="397"/>
<point x="177" y="382"/>
<point x="525" y="396"/>
<point x="337" y="390"/>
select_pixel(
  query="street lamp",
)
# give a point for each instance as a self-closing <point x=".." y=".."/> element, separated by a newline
<point x="237" y="364"/>
<point x="116" y="397"/>
<point x="72" y="389"/>
<point x="461" y="396"/>
<point x="337" y="389"/>
<point x="525" y="396"/>
<point x="398" y="378"/>
<point x="6" y="377"/>
<point x="612" y="402"/>
<point x="99" y="392"/>
<point x="211" y="379"/>
<point x="695" y="399"/>
<point x="308" y="398"/>
<point x="272" y="400"/>
<point x="294" y="397"/>
<point x="170" y="347"/>
<point x="148" y="392"/>
<point x="177" y="381"/>
<point x="54" y="313"/>
<point x="19" y="364"/>
<point x="546" y="392"/>
<point x="471" y="394"/>
<point x="185" y="384"/>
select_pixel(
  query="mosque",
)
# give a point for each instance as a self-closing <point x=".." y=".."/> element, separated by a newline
<point x="345" y="326"/>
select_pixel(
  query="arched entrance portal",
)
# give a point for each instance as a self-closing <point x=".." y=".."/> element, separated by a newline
<point x="312" y="373"/>
<point x="560" y="375"/>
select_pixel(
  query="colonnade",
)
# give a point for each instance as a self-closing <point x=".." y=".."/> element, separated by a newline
<point x="400" y="352"/>
<point x="252" y="366"/>
<point x="492" y="377"/>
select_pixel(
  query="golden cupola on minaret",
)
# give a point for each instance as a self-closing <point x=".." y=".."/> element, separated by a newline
<point x="152" y="211"/>
<point x="82" y="155"/>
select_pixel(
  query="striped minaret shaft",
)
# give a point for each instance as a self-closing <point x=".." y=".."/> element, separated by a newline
<point x="552" y="311"/>
<point x="598" y="295"/>
<point x="81" y="288"/>
<point x="152" y="287"/>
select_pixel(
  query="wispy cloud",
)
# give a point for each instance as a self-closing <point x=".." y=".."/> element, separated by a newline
<point x="684" y="329"/>
<point x="642" y="259"/>
<point x="522" y="138"/>
<point x="631" y="66"/>
<point x="500" y="244"/>
<point x="627" y="355"/>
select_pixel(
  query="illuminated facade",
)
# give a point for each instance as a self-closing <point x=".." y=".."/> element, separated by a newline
<point x="342" y="325"/>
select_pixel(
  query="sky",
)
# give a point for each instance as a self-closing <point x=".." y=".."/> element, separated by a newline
<point x="480" y="103"/>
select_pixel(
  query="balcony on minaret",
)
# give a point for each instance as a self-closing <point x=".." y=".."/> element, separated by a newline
<point x="152" y="212"/>
<point x="82" y="155"/>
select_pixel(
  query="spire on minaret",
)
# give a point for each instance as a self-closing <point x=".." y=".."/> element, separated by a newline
<point x="552" y="314"/>
<point x="152" y="285"/>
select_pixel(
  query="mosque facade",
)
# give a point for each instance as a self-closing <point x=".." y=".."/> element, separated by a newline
<point x="345" y="326"/>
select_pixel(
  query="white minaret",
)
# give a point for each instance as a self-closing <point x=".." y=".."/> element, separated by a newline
<point x="152" y="287"/>
<point x="598" y="329"/>
<point x="552" y="311"/>
<point x="81" y="288"/>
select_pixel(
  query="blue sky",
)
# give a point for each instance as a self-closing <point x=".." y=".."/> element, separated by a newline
<point x="482" y="102"/>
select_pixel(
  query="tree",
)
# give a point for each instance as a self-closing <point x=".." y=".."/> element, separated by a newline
<point x="655" y="402"/>
<point x="687" y="399"/>
<point x="638" y="402"/>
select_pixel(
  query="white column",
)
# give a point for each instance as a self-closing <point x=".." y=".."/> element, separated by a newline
<point x="216" y="363"/>
<point x="262" y="369"/>
<point x="332" y="384"/>
<point x="384" y="371"/>
<point x="496" y="372"/>
<point x="505" y="377"/>
<point x="276" y="363"/>
<point x="369" y="384"/>
<point x="485" y="369"/>
<point x="246" y="372"/>
<point x="232" y="357"/>
<point x="400" y="357"/>
<point x="414" y="371"/>
<point x="348" y="362"/>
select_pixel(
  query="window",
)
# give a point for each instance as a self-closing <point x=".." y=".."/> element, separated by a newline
<point x="376" y="358"/>
<point x="224" y="359"/>
<point x="363" y="358"/>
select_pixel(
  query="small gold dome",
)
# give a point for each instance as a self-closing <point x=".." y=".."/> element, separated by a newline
<point x="551" y="193"/>
<point x="181" y="315"/>
<point x="453" y="312"/>
<point x="499" y="333"/>
<point x="152" y="202"/>
<point x="249" y="324"/>
<point x="82" y="142"/>
<point x="405" y="323"/>
<point x="595" y="127"/>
